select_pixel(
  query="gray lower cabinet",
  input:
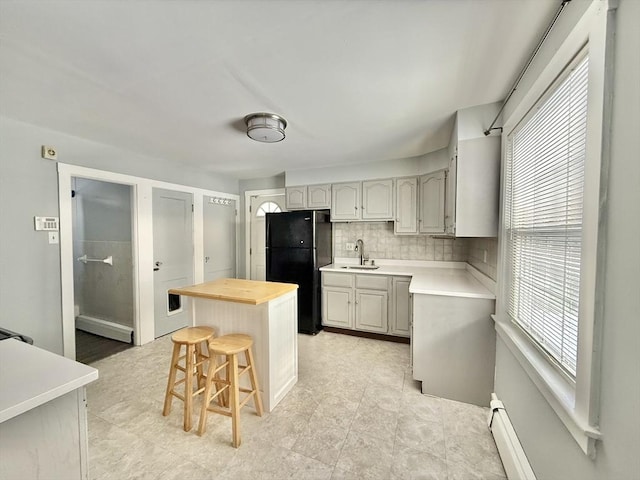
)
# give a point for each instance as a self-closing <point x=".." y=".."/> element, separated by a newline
<point x="400" y="318"/>
<point x="366" y="302"/>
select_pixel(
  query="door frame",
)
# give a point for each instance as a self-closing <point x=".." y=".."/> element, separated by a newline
<point x="247" y="222"/>
<point x="142" y="240"/>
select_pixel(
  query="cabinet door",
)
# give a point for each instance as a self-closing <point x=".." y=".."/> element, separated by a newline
<point x="406" y="206"/>
<point x="431" y="209"/>
<point x="296" y="197"/>
<point x="345" y="201"/>
<point x="401" y="307"/>
<point x="371" y="310"/>
<point x="450" y="204"/>
<point x="337" y="307"/>
<point x="319" y="196"/>
<point x="377" y="200"/>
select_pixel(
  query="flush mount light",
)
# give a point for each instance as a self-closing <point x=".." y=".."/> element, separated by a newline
<point x="265" y="127"/>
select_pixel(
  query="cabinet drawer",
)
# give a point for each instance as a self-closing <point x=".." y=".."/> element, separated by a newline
<point x="330" y="279"/>
<point x="375" y="282"/>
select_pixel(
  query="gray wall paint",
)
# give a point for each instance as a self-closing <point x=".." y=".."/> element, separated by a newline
<point x="30" y="291"/>
<point x="402" y="167"/>
<point x="550" y="448"/>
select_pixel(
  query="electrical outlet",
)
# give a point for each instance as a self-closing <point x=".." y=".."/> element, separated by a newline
<point x="349" y="246"/>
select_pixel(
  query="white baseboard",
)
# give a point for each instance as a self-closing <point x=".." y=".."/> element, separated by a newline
<point x="514" y="460"/>
<point x="104" y="328"/>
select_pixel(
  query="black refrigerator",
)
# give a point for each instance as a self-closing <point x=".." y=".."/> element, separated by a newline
<point x="298" y="244"/>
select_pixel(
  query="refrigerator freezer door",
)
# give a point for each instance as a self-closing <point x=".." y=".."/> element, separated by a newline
<point x="290" y="230"/>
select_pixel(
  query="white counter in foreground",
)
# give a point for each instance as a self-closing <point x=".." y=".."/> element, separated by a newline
<point x="43" y="417"/>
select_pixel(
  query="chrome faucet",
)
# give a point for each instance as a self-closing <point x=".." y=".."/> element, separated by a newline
<point x="360" y="250"/>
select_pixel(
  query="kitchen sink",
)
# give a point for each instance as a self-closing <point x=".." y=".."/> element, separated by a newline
<point x="361" y="267"/>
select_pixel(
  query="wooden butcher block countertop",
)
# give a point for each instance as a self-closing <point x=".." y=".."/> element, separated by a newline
<point x="252" y="292"/>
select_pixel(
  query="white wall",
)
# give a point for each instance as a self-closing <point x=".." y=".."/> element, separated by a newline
<point x="30" y="288"/>
<point x="552" y="451"/>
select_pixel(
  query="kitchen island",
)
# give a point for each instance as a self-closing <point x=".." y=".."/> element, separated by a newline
<point x="268" y="312"/>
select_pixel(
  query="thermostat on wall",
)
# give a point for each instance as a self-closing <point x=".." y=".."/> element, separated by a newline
<point x="46" y="223"/>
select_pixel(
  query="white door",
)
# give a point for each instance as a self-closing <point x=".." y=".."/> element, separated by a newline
<point x="261" y="205"/>
<point x="219" y="238"/>
<point x="173" y="258"/>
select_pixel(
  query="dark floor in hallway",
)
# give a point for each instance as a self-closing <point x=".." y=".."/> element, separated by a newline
<point x="91" y="348"/>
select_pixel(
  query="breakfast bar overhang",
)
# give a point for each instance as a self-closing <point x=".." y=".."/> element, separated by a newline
<point x="268" y="312"/>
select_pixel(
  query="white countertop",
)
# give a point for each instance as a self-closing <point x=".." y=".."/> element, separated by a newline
<point x="456" y="279"/>
<point x="31" y="376"/>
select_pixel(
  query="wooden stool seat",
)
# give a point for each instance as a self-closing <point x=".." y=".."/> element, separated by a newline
<point x="192" y="338"/>
<point x="228" y="389"/>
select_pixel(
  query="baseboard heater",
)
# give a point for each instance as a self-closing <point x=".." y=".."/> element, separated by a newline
<point x="514" y="460"/>
<point x="104" y="328"/>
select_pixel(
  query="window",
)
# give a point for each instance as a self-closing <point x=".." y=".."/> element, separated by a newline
<point x="543" y="218"/>
<point x="268" y="207"/>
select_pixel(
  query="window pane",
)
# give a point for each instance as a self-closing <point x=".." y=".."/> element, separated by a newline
<point x="543" y="218"/>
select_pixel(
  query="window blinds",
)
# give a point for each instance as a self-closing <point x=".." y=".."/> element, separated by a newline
<point x="543" y="218"/>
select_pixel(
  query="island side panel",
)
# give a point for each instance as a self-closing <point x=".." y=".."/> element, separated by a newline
<point x="283" y="342"/>
<point x="263" y="323"/>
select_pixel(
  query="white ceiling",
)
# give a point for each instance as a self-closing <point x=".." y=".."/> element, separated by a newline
<point x="358" y="81"/>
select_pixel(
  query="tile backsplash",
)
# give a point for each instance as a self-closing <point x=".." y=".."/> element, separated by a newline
<point x="483" y="255"/>
<point x="380" y="242"/>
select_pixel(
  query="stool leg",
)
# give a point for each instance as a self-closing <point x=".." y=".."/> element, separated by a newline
<point x="235" y="400"/>
<point x="172" y="379"/>
<point x="188" y="387"/>
<point x="210" y="381"/>
<point x="199" y="368"/>
<point x="253" y="376"/>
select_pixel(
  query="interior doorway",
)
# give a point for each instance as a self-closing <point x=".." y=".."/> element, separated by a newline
<point x="103" y="280"/>
<point x="259" y="206"/>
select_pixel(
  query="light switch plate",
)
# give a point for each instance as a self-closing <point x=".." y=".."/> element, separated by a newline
<point x="53" y="238"/>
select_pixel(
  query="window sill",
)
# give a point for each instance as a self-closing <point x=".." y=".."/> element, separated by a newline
<point x="559" y="393"/>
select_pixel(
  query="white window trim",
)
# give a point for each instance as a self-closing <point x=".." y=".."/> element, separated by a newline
<point x="577" y="406"/>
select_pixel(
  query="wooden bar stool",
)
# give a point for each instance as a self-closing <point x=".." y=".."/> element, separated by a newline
<point x="229" y="346"/>
<point x="192" y="338"/>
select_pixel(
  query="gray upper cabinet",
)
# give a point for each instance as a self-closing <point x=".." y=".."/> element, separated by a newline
<point x="312" y="197"/>
<point x="406" y="206"/>
<point x="473" y="188"/>
<point x="345" y="201"/>
<point x="377" y="200"/>
<point x="368" y="200"/>
<point x="473" y="182"/>
<point x="431" y="209"/>
<point x="319" y="196"/>
<point x="296" y="197"/>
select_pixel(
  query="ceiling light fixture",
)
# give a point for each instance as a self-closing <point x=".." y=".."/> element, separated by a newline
<point x="265" y="127"/>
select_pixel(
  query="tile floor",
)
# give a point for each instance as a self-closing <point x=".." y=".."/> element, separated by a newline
<point x="355" y="413"/>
